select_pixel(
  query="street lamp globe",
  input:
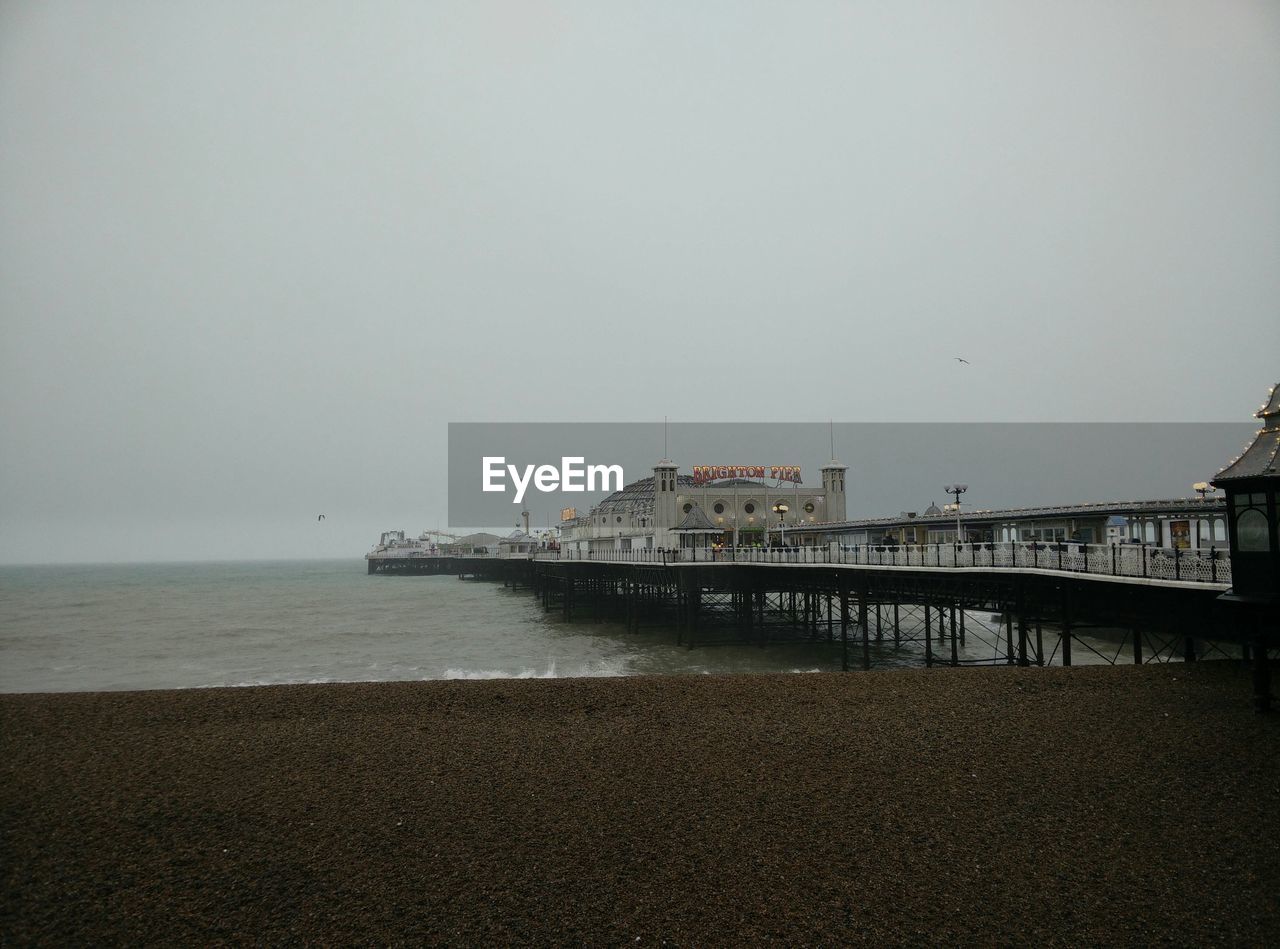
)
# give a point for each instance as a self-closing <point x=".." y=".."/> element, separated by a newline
<point x="780" y="508"/>
<point x="957" y="490"/>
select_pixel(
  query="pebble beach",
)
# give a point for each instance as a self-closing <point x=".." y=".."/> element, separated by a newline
<point x="1117" y="806"/>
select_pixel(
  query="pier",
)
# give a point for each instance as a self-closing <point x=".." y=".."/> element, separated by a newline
<point x="1152" y="604"/>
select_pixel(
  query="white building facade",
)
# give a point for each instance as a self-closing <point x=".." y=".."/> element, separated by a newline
<point x="748" y="511"/>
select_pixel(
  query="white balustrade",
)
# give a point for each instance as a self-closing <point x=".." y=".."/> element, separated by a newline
<point x="1121" y="560"/>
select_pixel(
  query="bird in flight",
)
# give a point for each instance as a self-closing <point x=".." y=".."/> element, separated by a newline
<point x="965" y="361"/>
<point x="320" y="518"/>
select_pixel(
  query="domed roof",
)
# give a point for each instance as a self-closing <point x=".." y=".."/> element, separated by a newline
<point x="636" y="497"/>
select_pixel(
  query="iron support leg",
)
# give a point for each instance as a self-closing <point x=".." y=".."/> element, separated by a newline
<point x="844" y="626"/>
<point x="928" y="636"/>
<point x="955" y="653"/>
<point x="866" y="633"/>
<point x="1261" y="674"/>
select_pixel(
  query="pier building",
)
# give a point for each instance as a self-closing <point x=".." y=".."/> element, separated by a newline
<point x="1252" y="484"/>
<point x="742" y="511"/>
<point x="667" y="509"/>
<point x="1180" y="523"/>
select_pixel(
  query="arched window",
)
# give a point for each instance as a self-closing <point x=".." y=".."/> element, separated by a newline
<point x="1252" y="531"/>
<point x="1253" y="528"/>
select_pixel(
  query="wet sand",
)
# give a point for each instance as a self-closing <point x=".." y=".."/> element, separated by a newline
<point x="1089" y="805"/>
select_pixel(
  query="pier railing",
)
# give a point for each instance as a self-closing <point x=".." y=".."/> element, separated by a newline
<point x="1194" y="565"/>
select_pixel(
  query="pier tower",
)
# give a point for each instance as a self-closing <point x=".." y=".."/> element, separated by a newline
<point x="833" y="487"/>
<point x="664" y="502"/>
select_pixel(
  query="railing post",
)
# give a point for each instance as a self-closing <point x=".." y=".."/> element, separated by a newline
<point x="1144" y="558"/>
<point x="1113" y="559"/>
<point x="1213" y="564"/>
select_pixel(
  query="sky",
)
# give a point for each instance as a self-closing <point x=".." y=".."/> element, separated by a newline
<point x="255" y="257"/>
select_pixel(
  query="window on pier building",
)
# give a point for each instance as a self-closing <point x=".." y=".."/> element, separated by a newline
<point x="1044" y="533"/>
<point x="1253" y="529"/>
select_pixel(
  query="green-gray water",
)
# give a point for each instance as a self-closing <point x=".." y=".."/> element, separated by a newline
<point x="152" y="626"/>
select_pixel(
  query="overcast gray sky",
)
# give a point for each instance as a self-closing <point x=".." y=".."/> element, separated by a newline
<point x="255" y="256"/>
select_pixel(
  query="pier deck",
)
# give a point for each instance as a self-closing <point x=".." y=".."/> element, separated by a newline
<point x="1154" y="604"/>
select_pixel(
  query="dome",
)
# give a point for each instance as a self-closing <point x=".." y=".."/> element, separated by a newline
<point x="636" y="497"/>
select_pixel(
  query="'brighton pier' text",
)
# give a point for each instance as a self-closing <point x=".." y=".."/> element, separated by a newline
<point x="705" y="473"/>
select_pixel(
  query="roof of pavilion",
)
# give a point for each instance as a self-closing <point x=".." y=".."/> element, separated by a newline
<point x="1272" y="408"/>
<point x="1261" y="458"/>
<point x="697" y="522"/>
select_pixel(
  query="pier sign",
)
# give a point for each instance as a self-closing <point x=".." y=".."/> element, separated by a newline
<point x="704" y="473"/>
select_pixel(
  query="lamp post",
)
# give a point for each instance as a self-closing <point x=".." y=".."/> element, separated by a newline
<point x="957" y="490"/>
<point x="1201" y="488"/>
<point x="781" y="509"/>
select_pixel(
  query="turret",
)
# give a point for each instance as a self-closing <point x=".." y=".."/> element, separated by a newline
<point x="665" y="512"/>
<point x="833" y="488"/>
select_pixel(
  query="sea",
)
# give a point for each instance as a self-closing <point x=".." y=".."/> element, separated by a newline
<point x="197" y="625"/>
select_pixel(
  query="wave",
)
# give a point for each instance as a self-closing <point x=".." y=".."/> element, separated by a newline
<point x="586" y="670"/>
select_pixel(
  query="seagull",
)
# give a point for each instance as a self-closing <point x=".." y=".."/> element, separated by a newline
<point x="965" y="361"/>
